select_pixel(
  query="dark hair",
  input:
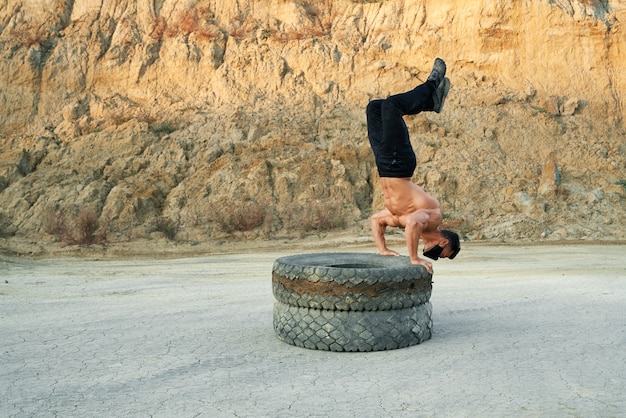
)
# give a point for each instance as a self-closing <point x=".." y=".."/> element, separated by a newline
<point x="453" y="242"/>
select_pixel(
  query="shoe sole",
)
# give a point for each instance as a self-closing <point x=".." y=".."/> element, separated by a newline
<point x="442" y="64"/>
<point x="440" y="94"/>
<point x="440" y="69"/>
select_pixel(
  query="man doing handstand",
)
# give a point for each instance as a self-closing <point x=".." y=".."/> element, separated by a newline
<point x="407" y="205"/>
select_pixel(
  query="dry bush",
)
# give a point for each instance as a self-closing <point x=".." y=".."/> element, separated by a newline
<point x="159" y="26"/>
<point x="461" y="226"/>
<point x="27" y="37"/>
<point x="243" y="29"/>
<point x="208" y="33"/>
<point x="242" y="216"/>
<point x="87" y="225"/>
<point x="319" y="216"/>
<point x="168" y="227"/>
<point x="188" y="22"/>
<point x="194" y="20"/>
<point x="81" y="228"/>
<point x="322" y="216"/>
<point x="55" y="223"/>
<point x="4" y="222"/>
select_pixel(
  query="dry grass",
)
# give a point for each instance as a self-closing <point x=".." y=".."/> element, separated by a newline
<point x="199" y="20"/>
<point x="196" y="21"/>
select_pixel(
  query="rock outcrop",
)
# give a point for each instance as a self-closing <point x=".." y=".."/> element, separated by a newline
<point x="247" y="118"/>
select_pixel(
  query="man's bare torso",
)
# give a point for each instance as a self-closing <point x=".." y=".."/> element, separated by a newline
<point x="404" y="198"/>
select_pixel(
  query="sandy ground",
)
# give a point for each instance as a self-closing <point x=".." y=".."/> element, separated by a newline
<point x="524" y="330"/>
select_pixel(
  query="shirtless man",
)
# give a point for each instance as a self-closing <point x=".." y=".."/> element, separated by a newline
<point x="407" y="205"/>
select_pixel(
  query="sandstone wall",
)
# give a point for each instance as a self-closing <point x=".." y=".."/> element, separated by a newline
<point x="222" y="116"/>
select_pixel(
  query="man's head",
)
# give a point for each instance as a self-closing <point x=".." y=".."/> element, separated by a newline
<point x="448" y="247"/>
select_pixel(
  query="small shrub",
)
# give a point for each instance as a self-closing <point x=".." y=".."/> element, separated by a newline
<point x="164" y="128"/>
<point x="461" y="226"/>
<point x="79" y="229"/>
<point x="27" y="37"/>
<point x="266" y="33"/>
<point x="621" y="183"/>
<point x="120" y="117"/>
<point x="188" y="22"/>
<point x="239" y="32"/>
<point x="159" y="26"/>
<point x="87" y="225"/>
<point x="208" y="34"/>
<point x="242" y="217"/>
<point x="321" y="217"/>
<point x="168" y="227"/>
<point x="3" y="225"/>
<point x="54" y="223"/>
<point x="538" y="109"/>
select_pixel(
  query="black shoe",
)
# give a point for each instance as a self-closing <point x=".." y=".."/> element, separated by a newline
<point x="440" y="94"/>
<point x="438" y="72"/>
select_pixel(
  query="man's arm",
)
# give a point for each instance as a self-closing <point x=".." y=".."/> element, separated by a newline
<point x="380" y="221"/>
<point x="415" y="224"/>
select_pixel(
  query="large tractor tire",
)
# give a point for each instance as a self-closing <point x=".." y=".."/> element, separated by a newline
<point x="351" y="301"/>
<point x="350" y="282"/>
<point x="323" y="329"/>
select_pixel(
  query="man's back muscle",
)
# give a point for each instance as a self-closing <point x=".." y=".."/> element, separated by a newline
<point x="403" y="197"/>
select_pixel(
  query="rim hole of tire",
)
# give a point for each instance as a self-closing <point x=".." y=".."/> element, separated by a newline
<point x="355" y="266"/>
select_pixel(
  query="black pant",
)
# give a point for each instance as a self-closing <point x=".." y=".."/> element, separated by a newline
<point x="388" y="134"/>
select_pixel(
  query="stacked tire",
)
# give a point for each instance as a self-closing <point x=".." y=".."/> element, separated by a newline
<point x="351" y="301"/>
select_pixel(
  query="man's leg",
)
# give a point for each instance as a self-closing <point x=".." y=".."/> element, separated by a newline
<point x="410" y="103"/>
<point x="425" y="97"/>
<point x="375" y="124"/>
<point x="394" y="155"/>
<point x="387" y="131"/>
<point x="388" y="134"/>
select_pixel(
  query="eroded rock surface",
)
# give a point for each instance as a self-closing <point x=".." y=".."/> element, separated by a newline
<point x="222" y="117"/>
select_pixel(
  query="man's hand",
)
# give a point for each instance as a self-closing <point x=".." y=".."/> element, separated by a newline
<point x="415" y="224"/>
<point x="421" y="262"/>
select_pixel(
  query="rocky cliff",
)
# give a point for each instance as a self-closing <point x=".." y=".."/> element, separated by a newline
<point x="209" y="119"/>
